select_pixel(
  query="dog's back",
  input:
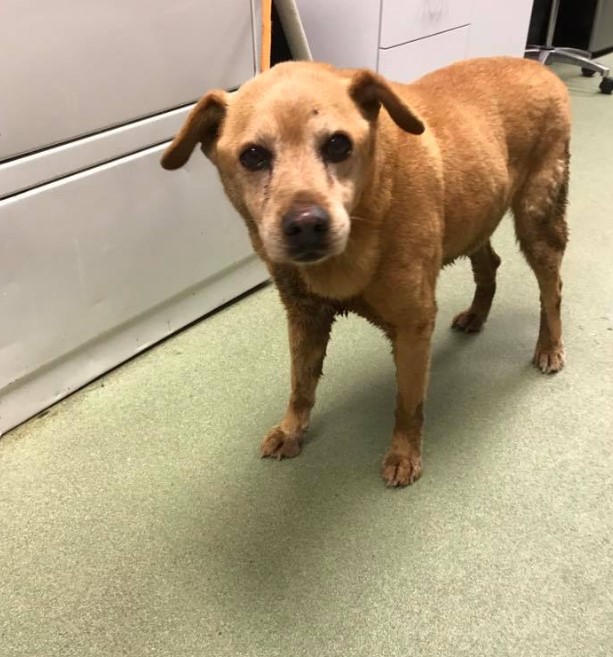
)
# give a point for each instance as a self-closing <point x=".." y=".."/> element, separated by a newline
<point x="507" y="121"/>
<point x="521" y="101"/>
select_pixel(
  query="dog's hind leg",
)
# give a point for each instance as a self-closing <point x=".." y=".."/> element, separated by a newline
<point x="484" y="261"/>
<point x="540" y="224"/>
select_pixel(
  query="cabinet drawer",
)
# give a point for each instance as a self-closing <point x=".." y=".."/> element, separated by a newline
<point x="100" y="265"/>
<point x="407" y="20"/>
<point x="412" y="60"/>
<point x="69" y="68"/>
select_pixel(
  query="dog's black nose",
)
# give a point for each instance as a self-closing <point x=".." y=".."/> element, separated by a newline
<point x="305" y="228"/>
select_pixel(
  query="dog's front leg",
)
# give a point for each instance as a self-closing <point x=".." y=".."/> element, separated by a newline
<point x="309" y="327"/>
<point x="402" y="463"/>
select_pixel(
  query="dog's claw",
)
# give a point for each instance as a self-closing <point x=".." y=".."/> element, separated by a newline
<point x="400" y="469"/>
<point x="467" y="322"/>
<point x="277" y="444"/>
<point x="549" y="361"/>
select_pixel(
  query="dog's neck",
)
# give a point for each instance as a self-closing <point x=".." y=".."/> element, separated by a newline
<point x="346" y="275"/>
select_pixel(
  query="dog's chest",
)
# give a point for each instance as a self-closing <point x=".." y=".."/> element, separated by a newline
<point x="361" y="307"/>
<point x="334" y="281"/>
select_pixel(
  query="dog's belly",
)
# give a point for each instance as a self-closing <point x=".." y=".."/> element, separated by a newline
<point x="476" y="198"/>
<point x="469" y="232"/>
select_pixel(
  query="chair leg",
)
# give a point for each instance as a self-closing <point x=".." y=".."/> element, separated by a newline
<point x="561" y="55"/>
<point x="576" y="51"/>
<point x="544" y="55"/>
<point x="532" y="52"/>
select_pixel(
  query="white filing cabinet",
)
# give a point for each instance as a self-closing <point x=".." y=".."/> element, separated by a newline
<point x="409" y="20"/>
<point x="102" y="253"/>
<point x="404" y="39"/>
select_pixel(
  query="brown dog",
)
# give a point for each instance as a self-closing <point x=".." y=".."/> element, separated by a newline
<point x="356" y="209"/>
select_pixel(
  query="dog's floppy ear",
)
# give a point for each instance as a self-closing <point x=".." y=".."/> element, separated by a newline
<point x="369" y="91"/>
<point x="203" y="125"/>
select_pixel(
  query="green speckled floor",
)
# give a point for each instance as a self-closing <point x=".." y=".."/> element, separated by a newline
<point x="136" y="518"/>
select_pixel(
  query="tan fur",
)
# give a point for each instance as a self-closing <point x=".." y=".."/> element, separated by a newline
<point x="435" y="166"/>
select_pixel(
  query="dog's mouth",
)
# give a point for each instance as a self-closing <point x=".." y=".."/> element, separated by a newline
<point x="309" y="257"/>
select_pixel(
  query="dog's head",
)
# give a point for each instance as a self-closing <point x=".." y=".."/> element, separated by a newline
<point x="294" y="148"/>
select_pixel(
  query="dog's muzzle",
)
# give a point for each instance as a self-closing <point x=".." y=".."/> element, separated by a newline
<point x="305" y="229"/>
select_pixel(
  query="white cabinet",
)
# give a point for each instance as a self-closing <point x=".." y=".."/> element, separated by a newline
<point x="412" y="60"/>
<point x="102" y="252"/>
<point x="408" y="20"/>
<point x="342" y="32"/>
<point x="405" y="38"/>
<point x="70" y="68"/>
<point x="102" y="264"/>
<point x="499" y="28"/>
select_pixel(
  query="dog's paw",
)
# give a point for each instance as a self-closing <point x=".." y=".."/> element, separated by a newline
<point x="400" y="469"/>
<point x="278" y="444"/>
<point x="468" y="322"/>
<point x="549" y="360"/>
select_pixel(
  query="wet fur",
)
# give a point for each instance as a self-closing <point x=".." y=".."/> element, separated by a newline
<point x="437" y="165"/>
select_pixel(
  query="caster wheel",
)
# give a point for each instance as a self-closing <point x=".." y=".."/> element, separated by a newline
<point x="606" y="86"/>
<point x="588" y="73"/>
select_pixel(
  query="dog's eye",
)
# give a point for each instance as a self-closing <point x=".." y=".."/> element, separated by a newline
<point x="256" y="158"/>
<point x="337" y="148"/>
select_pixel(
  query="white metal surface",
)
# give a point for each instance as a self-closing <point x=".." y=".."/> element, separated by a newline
<point x="412" y="60"/>
<point x="499" y="28"/>
<point x="71" y="68"/>
<point x="99" y="265"/>
<point x="342" y="32"/>
<point x="346" y="32"/>
<point x="38" y="168"/>
<point x="407" y="20"/>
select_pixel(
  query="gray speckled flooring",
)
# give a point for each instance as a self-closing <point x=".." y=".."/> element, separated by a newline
<point x="136" y="518"/>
